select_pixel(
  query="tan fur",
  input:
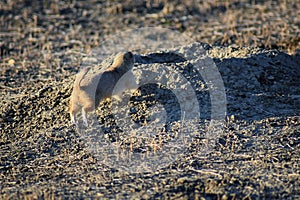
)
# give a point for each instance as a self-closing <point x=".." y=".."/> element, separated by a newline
<point x="90" y="89"/>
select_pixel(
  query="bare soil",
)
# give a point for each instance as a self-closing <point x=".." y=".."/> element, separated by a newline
<point x="255" y="47"/>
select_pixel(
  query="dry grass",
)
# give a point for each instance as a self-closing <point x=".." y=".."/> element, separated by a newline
<point x="41" y="47"/>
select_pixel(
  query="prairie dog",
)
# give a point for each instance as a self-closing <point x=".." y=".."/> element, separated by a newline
<point x="90" y="89"/>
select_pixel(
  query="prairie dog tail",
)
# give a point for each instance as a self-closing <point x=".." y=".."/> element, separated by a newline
<point x="79" y="78"/>
<point x="75" y="106"/>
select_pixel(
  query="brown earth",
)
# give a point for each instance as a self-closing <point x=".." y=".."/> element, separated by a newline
<point x="255" y="47"/>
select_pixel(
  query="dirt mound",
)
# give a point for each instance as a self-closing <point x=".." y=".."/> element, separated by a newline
<point x="42" y="155"/>
<point x="43" y="44"/>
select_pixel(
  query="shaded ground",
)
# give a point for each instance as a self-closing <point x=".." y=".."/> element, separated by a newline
<point x="42" y="46"/>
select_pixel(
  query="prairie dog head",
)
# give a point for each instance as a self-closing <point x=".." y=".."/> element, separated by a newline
<point x="123" y="61"/>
